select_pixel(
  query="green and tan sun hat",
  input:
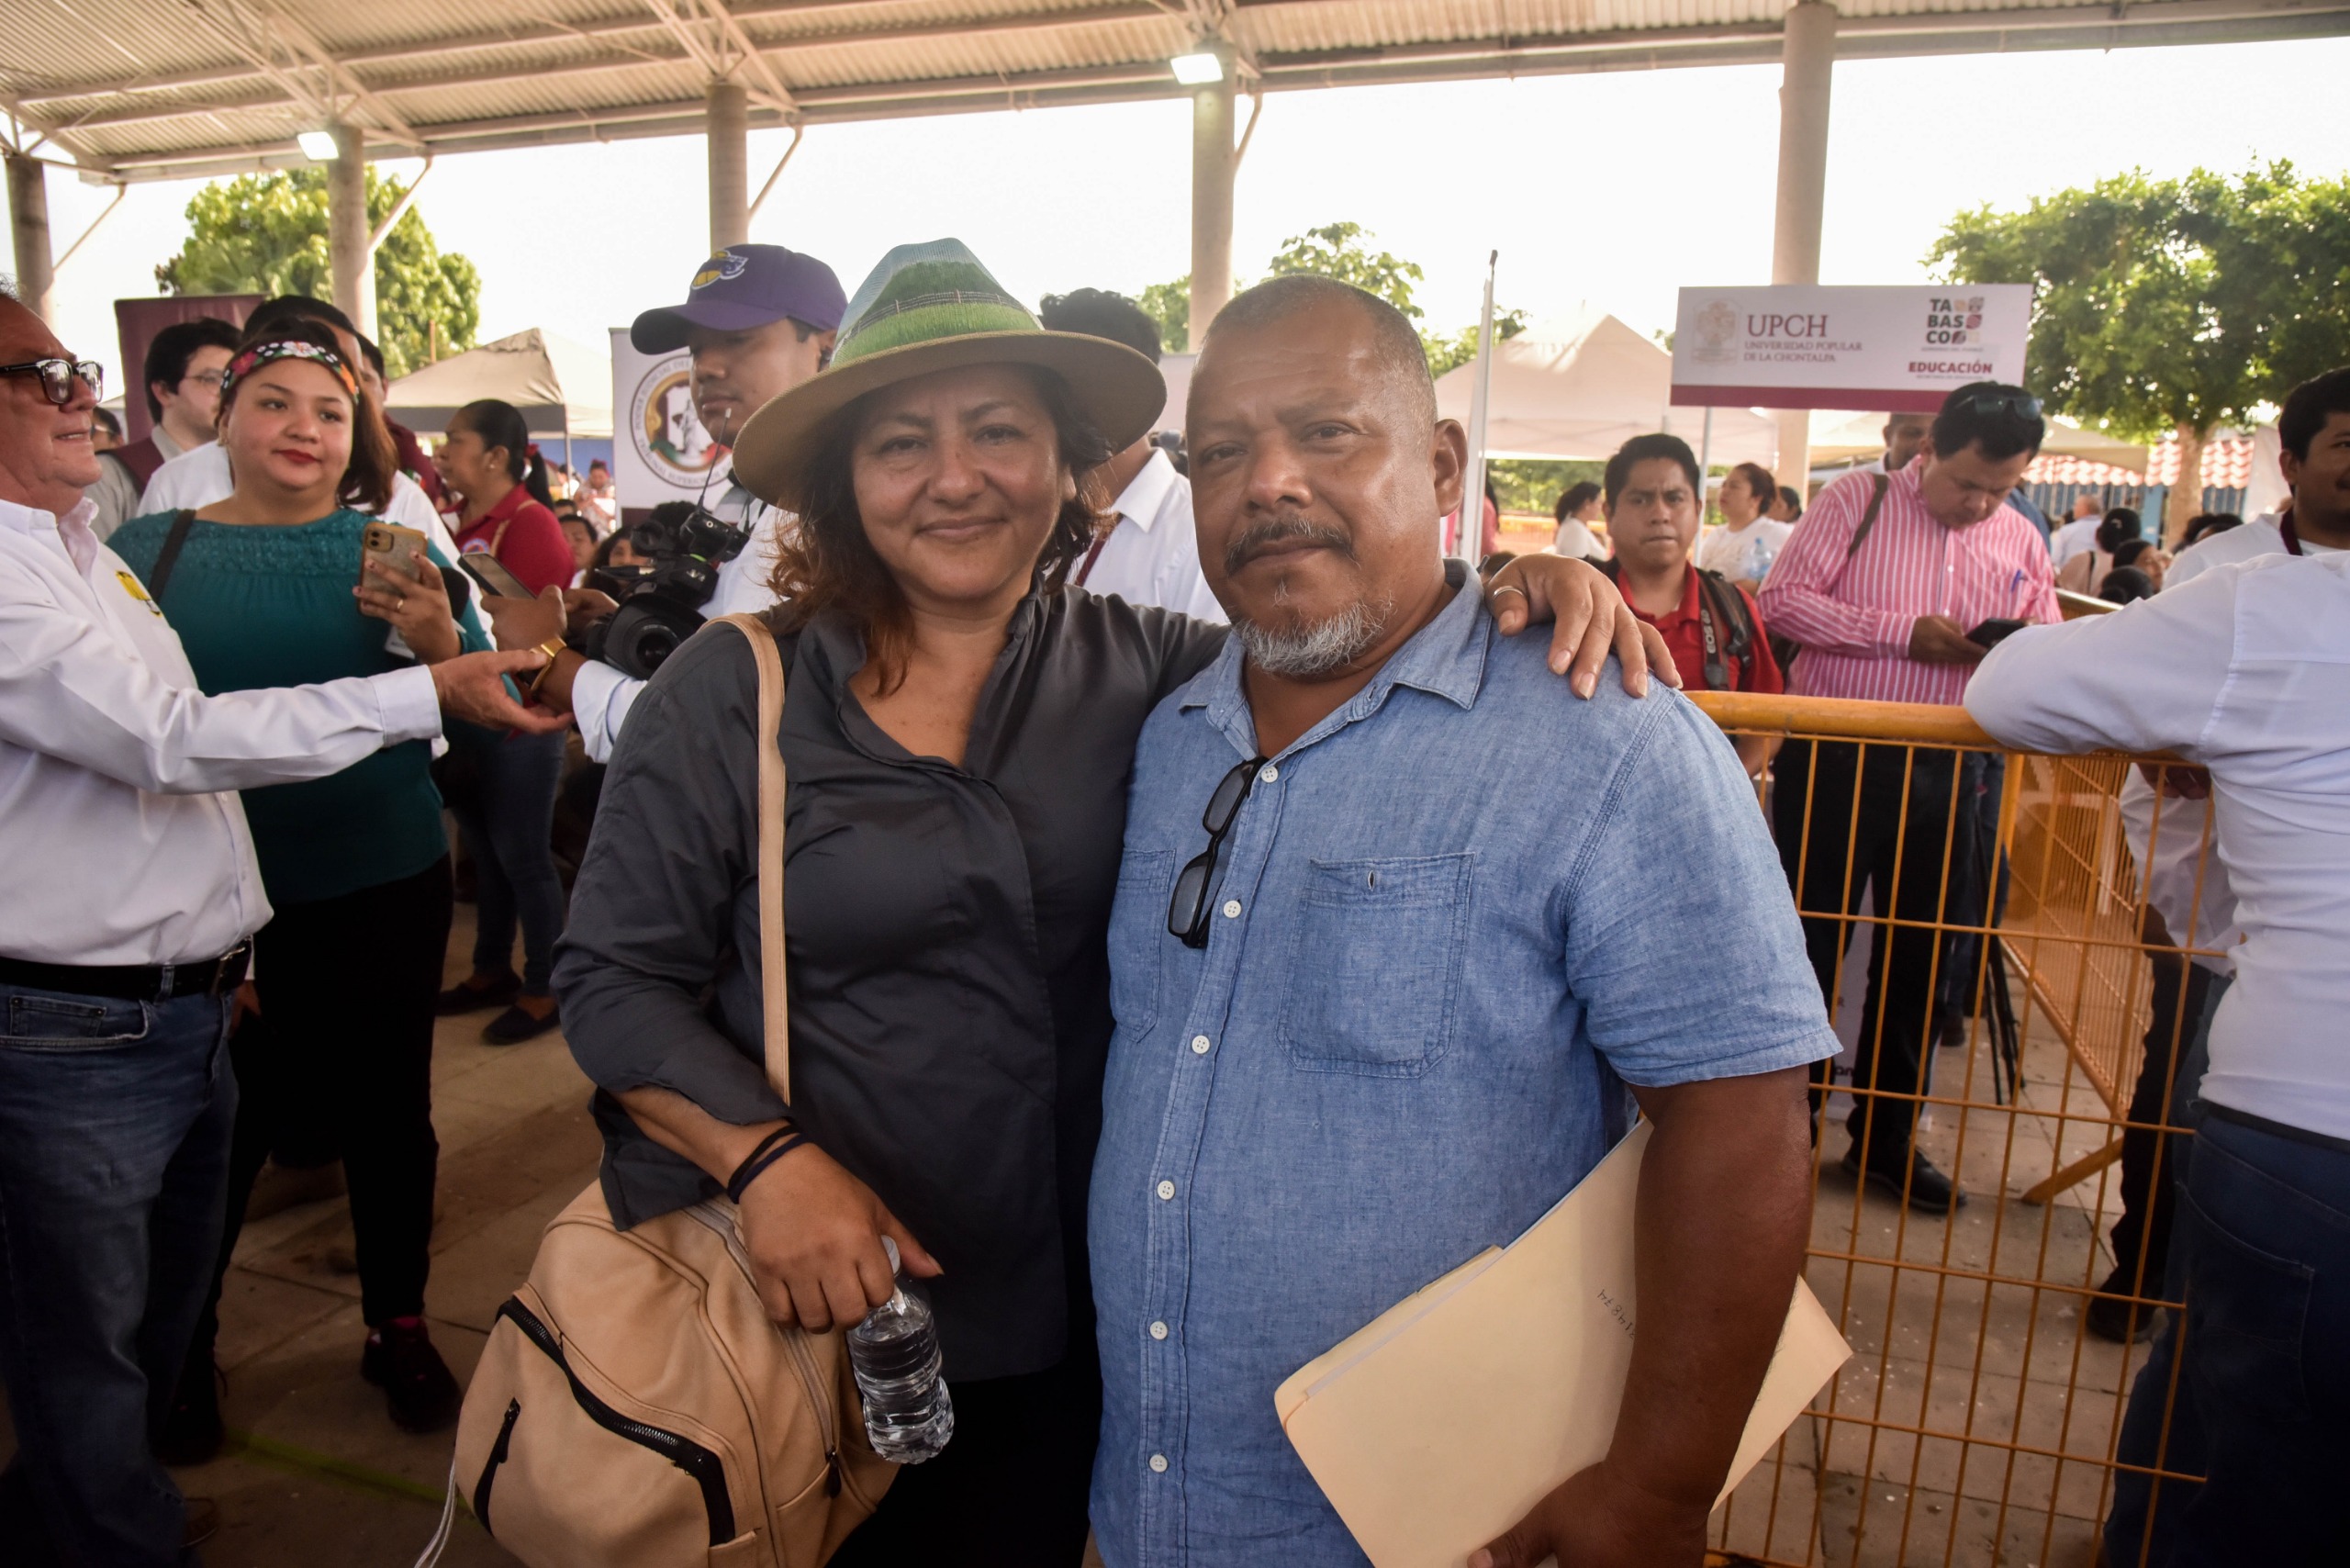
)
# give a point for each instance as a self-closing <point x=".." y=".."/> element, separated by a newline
<point x="934" y="306"/>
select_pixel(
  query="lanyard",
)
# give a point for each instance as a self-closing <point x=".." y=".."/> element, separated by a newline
<point x="2292" y="535"/>
<point x="1094" y="554"/>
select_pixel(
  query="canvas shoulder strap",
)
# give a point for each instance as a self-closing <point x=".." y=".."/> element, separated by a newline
<point x="167" y="554"/>
<point x="1879" y="485"/>
<point x="773" y="989"/>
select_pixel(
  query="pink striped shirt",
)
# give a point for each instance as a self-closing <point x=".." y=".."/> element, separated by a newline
<point x="1853" y="617"/>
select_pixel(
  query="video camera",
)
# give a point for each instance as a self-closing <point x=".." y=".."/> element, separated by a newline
<point x="661" y="599"/>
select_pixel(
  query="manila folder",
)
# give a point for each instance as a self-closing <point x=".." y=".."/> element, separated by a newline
<point x="1439" y="1424"/>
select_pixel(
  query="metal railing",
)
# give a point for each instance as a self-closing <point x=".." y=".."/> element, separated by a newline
<point x="1977" y="1422"/>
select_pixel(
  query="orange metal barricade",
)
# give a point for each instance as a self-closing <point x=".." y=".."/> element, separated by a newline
<point x="1978" y="1421"/>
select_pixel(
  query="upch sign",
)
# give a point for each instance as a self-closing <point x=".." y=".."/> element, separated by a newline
<point x="1810" y="346"/>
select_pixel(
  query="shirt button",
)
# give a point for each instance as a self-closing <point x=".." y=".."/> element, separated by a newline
<point x="1159" y="1464"/>
<point x="1232" y="909"/>
<point x="1200" y="1045"/>
<point x="1159" y="1331"/>
<point x="1166" y="1190"/>
<point x="1271" y="775"/>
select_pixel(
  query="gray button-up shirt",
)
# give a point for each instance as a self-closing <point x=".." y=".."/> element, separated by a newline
<point x="950" y="986"/>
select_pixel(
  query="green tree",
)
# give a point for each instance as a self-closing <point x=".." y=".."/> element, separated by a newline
<point x="1170" y="305"/>
<point x="267" y="234"/>
<point x="1447" y="350"/>
<point x="1535" y="484"/>
<point x="1340" y="251"/>
<point x="2171" y="305"/>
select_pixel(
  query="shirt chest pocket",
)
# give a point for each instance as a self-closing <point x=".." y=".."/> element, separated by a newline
<point x="1137" y="932"/>
<point x="1375" y="976"/>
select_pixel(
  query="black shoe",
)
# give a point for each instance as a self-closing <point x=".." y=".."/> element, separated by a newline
<point x="191" y="1433"/>
<point x="467" y="998"/>
<point x="2111" y="1319"/>
<point x="1931" y="1191"/>
<point x="515" y="1025"/>
<point x="400" y="1360"/>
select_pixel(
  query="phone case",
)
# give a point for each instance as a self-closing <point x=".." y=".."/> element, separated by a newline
<point x="389" y="542"/>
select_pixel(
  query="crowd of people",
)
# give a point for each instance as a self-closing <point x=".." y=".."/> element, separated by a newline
<point x="1132" y="937"/>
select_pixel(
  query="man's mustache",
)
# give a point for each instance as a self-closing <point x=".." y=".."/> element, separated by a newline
<point x="1255" y="540"/>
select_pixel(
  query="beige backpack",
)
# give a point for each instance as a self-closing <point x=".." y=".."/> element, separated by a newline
<point x="634" y="1406"/>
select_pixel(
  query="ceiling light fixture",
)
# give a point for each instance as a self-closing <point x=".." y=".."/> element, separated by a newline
<point x="318" y="146"/>
<point x="1198" y="69"/>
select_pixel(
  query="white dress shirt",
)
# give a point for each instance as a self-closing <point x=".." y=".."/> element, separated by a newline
<point x="2259" y="536"/>
<point x="2073" y="539"/>
<point x="1744" y="556"/>
<point x="2244" y="670"/>
<point x="199" y="477"/>
<point x="602" y="695"/>
<point x="1152" y="555"/>
<point x="123" y="842"/>
<point x="1575" y="541"/>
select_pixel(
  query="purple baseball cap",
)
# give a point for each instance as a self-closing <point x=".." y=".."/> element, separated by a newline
<point x="745" y="285"/>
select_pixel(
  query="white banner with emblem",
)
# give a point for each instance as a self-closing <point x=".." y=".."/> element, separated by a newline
<point x="1806" y="346"/>
<point x="660" y="452"/>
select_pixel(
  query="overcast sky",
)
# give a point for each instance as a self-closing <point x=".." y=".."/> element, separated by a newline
<point x="1616" y="189"/>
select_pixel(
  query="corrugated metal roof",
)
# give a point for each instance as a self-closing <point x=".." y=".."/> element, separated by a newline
<point x="135" y="88"/>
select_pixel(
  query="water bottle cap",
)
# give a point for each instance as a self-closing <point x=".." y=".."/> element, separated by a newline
<point x="890" y="1245"/>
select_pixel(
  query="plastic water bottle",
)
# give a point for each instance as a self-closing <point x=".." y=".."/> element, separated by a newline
<point x="894" y="1353"/>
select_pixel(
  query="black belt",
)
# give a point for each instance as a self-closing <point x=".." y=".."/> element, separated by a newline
<point x="134" y="983"/>
<point x="2277" y="1129"/>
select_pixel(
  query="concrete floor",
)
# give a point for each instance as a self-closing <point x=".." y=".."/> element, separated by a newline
<point x="316" y="1474"/>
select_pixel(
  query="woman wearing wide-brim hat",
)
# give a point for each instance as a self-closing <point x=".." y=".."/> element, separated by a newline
<point x="958" y="733"/>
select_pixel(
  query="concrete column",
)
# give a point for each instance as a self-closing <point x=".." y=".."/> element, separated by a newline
<point x="1809" y="63"/>
<point x="1212" y="173"/>
<point x="729" y="117"/>
<point x="29" y="216"/>
<point x="348" y="253"/>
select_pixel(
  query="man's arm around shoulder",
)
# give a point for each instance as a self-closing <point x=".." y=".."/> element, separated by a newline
<point x="1724" y="1213"/>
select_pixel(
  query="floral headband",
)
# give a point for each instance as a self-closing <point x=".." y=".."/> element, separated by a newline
<point x="254" y="358"/>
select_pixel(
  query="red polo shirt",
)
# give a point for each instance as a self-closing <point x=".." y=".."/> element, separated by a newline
<point x="526" y="539"/>
<point x="1685" y="633"/>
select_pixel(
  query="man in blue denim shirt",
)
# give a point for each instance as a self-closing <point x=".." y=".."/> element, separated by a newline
<point x="1380" y="1009"/>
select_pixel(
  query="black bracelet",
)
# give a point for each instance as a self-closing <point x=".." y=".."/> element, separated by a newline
<point x="772" y="1147"/>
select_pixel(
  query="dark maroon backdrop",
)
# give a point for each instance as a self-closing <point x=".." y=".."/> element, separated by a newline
<point x="138" y="320"/>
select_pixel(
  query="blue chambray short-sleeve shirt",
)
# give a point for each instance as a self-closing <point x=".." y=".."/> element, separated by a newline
<point x="1453" y="919"/>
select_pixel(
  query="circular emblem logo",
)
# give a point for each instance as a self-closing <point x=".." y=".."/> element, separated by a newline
<point x="667" y="433"/>
<point x="1717" y="332"/>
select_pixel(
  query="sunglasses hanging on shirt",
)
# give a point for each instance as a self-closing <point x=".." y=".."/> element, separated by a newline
<point x="1187" y="910"/>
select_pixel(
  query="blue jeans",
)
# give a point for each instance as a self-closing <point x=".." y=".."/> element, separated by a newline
<point x="114" y="1159"/>
<point x="2262" y="1407"/>
<point x="508" y="824"/>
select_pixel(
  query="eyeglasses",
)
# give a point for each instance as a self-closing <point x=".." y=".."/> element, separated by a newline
<point x="57" y="376"/>
<point x="1187" y="910"/>
<point x="1997" y="404"/>
<point x="212" y="378"/>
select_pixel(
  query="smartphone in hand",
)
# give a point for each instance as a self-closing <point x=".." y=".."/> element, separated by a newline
<point x="1993" y="631"/>
<point x="389" y="544"/>
<point x="493" y="578"/>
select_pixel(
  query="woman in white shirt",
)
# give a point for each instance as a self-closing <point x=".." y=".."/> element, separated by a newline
<point x="1743" y="549"/>
<point x="1579" y="506"/>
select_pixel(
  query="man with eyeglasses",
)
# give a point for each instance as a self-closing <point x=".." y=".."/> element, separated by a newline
<point x="182" y="385"/>
<point x="1895" y="585"/>
<point x="1378" y="1007"/>
<point x="133" y="892"/>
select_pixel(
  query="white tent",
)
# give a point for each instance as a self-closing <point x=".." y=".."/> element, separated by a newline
<point x="562" y="388"/>
<point x="1583" y="386"/>
<point x="1839" y="437"/>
